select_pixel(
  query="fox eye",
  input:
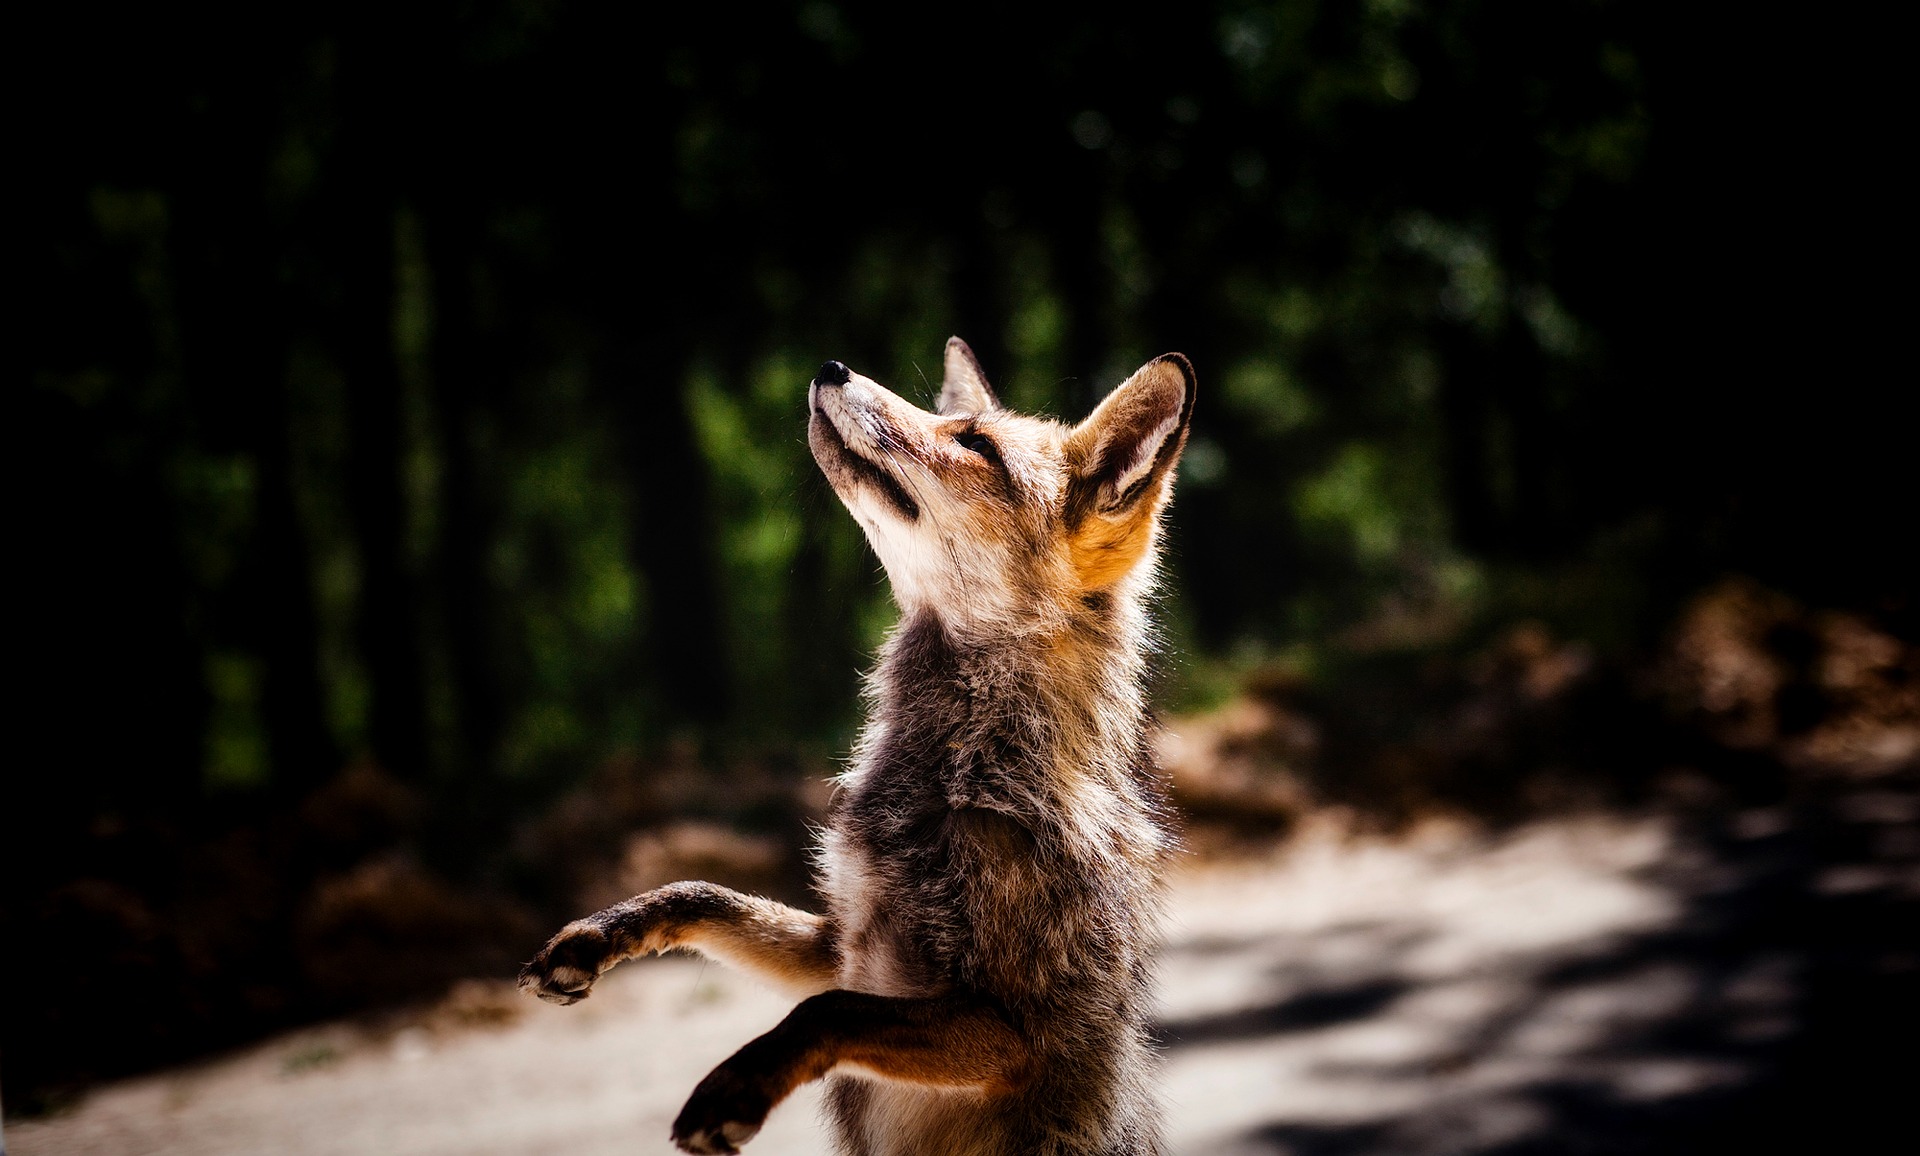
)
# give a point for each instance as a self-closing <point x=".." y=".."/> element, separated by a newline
<point x="978" y="443"/>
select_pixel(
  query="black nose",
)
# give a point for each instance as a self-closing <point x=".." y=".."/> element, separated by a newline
<point x="833" y="373"/>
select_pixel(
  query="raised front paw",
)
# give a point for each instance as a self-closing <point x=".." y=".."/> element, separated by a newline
<point x="724" y="1112"/>
<point x="566" y="967"/>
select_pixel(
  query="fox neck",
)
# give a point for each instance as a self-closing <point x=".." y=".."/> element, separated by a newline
<point x="1049" y="722"/>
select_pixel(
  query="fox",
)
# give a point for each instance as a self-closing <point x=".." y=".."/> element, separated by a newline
<point x="991" y="864"/>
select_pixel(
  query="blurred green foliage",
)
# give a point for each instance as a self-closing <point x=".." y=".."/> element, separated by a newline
<point x="422" y="384"/>
<point x="477" y="334"/>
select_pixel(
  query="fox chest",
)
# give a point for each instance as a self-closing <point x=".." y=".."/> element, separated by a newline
<point x="923" y="908"/>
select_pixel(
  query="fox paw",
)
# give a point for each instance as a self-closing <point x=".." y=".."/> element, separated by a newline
<point x="723" y="1113"/>
<point x="566" y="967"/>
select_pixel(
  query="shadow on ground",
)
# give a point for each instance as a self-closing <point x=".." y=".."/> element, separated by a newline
<point x="1721" y="981"/>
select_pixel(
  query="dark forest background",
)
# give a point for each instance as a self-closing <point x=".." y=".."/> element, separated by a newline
<point x="411" y="490"/>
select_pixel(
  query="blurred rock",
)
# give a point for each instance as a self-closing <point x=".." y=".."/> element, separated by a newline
<point x="1823" y="692"/>
<point x="1248" y="761"/>
<point x="362" y="807"/>
<point x="1718" y="672"/>
<point x="694" y="850"/>
<point x="388" y="929"/>
<point x="640" y="823"/>
<point x="476" y="1003"/>
<point x="1529" y="660"/>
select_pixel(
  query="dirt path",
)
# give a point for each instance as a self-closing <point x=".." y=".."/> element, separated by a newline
<point x="1442" y="993"/>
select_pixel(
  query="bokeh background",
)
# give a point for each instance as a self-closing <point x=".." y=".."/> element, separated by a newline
<point x="417" y="542"/>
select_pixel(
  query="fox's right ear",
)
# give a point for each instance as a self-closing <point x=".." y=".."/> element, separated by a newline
<point x="1126" y="449"/>
<point x="963" y="387"/>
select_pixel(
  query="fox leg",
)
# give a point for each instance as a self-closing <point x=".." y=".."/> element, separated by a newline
<point x="948" y="1042"/>
<point x="786" y="946"/>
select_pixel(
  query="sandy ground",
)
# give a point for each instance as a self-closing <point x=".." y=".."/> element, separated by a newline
<point x="1436" y="993"/>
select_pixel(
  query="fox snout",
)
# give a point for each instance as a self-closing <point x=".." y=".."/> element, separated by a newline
<point x="862" y="438"/>
<point x="832" y="374"/>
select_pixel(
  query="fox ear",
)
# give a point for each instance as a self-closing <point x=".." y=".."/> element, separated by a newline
<point x="1126" y="448"/>
<point x="963" y="388"/>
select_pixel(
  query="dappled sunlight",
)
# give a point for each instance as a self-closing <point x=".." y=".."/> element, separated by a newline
<point x="1604" y="982"/>
<point x="1411" y="990"/>
<point x="1600" y="984"/>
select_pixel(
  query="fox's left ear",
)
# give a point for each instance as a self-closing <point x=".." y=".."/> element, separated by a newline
<point x="1126" y="449"/>
<point x="963" y="385"/>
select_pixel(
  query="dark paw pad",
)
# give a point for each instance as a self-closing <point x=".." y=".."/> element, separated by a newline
<point x="726" y="1138"/>
<point x="723" y="1113"/>
<point x="565" y="969"/>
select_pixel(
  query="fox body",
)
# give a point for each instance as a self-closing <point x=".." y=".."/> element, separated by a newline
<point x="980" y="981"/>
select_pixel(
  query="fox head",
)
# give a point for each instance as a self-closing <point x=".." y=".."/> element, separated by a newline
<point x="988" y="517"/>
